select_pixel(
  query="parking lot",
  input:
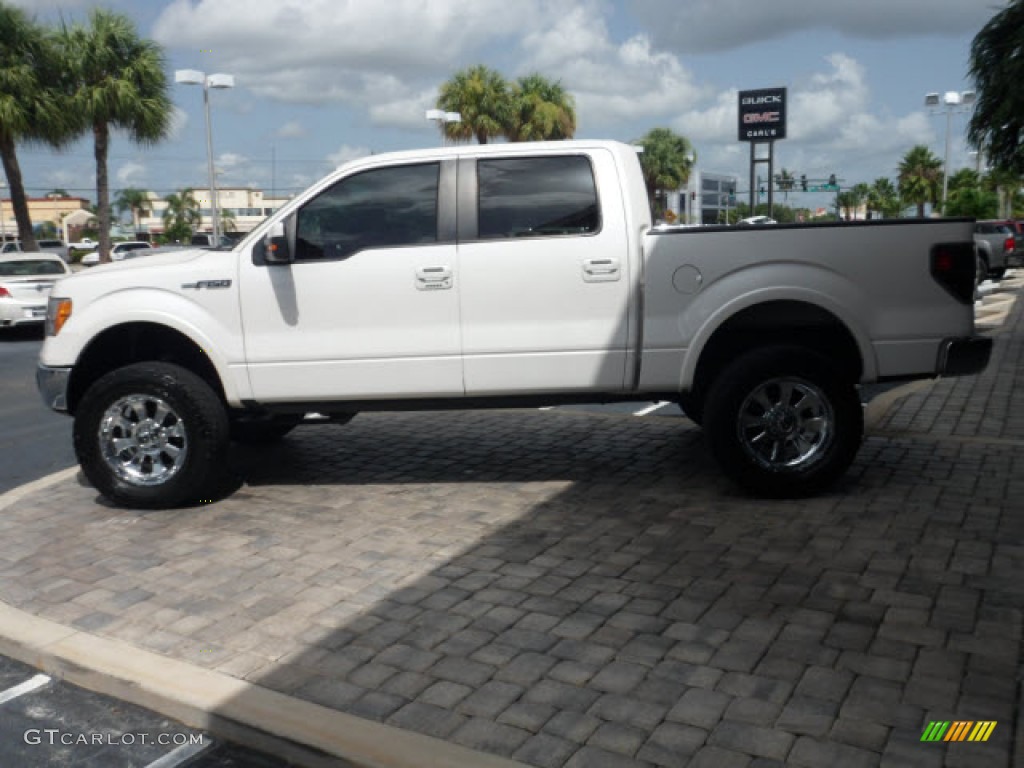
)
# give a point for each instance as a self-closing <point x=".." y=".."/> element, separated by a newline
<point x="565" y="588"/>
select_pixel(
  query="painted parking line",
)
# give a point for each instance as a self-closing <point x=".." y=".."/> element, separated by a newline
<point x="181" y="755"/>
<point x="34" y="683"/>
<point x="652" y="408"/>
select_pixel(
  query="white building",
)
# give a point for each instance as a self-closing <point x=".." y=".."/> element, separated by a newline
<point x="241" y="208"/>
<point x="707" y="198"/>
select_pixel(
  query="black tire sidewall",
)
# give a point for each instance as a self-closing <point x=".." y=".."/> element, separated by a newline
<point x="740" y="378"/>
<point x="206" y="429"/>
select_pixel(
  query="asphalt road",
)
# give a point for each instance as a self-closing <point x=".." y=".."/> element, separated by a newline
<point x="34" y="441"/>
<point x="46" y="723"/>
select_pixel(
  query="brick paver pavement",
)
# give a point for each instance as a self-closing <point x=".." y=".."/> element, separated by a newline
<point x="576" y="589"/>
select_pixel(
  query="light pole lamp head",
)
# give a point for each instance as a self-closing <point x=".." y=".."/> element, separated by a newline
<point x="967" y="98"/>
<point x="931" y="100"/>
<point x="435" y="114"/>
<point x="189" y="76"/>
<point x="452" y="117"/>
<point x="951" y="98"/>
<point x="220" y="80"/>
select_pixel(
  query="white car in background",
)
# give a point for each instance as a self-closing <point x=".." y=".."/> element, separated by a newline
<point x="117" y="252"/>
<point x="25" y="283"/>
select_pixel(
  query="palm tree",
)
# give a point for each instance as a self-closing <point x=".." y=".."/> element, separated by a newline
<point x="541" y="110"/>
<point x="666" y="160"/>
<point x="920" y="177"/>
<point x="30" y="104"/>
<point x="481" y="96"/>
<point x="882" y="198"/>
<point x="134" y="200"/>
<point x="119" y="82"/>
<point x="181" y="216"/>
<point x="997" y="66"/>
<point x="786" y="181"/>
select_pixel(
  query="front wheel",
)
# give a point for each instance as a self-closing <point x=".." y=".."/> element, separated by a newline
<point x="151" y="436"/>
<point x="781" y="423"/>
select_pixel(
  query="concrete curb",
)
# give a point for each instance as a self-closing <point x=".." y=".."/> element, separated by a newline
<point x="297" y="730"/>
<point x="17" y="494"/>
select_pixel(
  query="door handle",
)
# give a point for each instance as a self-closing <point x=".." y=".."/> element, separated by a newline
<point x="433" y="278"/>
<point x="600" y="270"/>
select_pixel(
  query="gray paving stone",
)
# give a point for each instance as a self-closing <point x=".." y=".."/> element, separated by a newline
<point x="562" y="695"/>
<point x="618" y="677"/>
<point x="595" y="757"/>
<point x="687" y="674"/>
<point x="809" y="716"/>
<point x="545" y="751"/>
<point x="753" y="711"/>
<point x="825" y="683"/>
<point x="526" y="668"/>
<point x="671" y="743"/>
<point x="814" y="753"/>
<point x="464" y="671"/>
<point x="490" y="699"/>
<point x="751" y="739"/>
<point x="859" y="733"/>
<point x="624" y="709"/>
<point x="486" y="735"/>
<point x="700" y="708"/>
<point x="755" y="686"/>
<point x="716" y="757"/>
<point x="617" y="737"/>
<point x="572" y="726"/>
<point x="445" y="694"/>
<point x="528" y="716"/>
<point x="432" y="720"/>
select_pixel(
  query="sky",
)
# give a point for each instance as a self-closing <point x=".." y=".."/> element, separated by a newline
<point x="319" y="82"/>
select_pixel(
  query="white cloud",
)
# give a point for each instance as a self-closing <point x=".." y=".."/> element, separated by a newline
<point x="612" y="82"/>
<point x="714" y="25"/>
<point x="130" y="173"/>
<point x="345" y="154"/>
<point x="290" y="130"/>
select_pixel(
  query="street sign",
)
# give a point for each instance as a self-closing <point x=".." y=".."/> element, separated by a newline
<point x="762" y="115"/>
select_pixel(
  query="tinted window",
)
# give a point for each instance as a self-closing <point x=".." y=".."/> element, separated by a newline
<point x="537" y="196"/>
<point x="28" y="268"/>
<point x="132" y="246"/>
<point x="383" y="208"/>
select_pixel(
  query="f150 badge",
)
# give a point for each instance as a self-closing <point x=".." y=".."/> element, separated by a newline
<point x="211" y="284"/>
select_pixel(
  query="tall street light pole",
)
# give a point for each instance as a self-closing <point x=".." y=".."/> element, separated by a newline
<point x="951" y="100"/>
<point x="220" y="80"/>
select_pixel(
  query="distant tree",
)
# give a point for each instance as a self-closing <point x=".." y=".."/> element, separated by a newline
<point x="118" y="81"/>
<point x="997" y="65"/>
<point x="134" y="200"/>
<point x="46" y="230"/>
<point x="883" y="199"/>
<point x="786" y="181"/>
<point x="227" y="220"/>
<point x="58" y="192"/>
<point x="849" y="200"/>
<point x="1006" y="185"/>
<point x="541" y="110"/>
<point x="481" y="97"/>
<point x="31" y="109"/>
<point x="181" y="216"/>
<point x="972" y="201"/>
<point x="667" y="160"/>
<point x="920" y="177"/>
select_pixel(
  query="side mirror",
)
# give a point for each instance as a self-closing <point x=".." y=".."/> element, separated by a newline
<point x="276" y="248"/>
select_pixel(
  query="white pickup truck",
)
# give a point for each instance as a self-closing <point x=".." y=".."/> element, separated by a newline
<point x="502" y="275"/>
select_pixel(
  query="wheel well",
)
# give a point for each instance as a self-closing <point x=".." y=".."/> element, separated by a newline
<point x="135" y="343"/>
<point x="774" y="322"/>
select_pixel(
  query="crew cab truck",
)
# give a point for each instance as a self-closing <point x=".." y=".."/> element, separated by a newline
<point x="502" y="275"/>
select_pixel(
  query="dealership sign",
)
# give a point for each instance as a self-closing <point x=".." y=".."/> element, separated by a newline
<point x="763" y="114"/>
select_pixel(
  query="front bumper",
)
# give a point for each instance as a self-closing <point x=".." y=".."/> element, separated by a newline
<point x="53" y="386"/>
<point x="964" y="356"/>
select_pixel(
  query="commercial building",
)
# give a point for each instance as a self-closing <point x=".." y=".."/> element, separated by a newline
<point x="241" y="209"/>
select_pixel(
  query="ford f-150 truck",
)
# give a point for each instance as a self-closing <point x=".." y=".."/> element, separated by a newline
<point x="502" y="275"/>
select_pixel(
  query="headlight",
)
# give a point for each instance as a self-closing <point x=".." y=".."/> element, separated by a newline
<point x="57" y="313"/>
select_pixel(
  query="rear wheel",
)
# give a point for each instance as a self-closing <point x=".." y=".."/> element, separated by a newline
<point x="151" y="436"/>
<point x="781" y="423"/>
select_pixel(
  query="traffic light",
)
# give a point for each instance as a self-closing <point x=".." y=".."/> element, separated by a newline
<point x="803" y="181"/>
<point x="832" y="180"/>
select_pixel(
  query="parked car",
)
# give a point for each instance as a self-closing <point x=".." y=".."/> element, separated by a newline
<point x="995" y="244"/>
<point x="758" y="221"/>
<point x="46" y="246"/>
<point x="1016" y="258"/>
<point x="498" y="275"/>
<point x="25" y="283"/>
<point x="117" y="252"/>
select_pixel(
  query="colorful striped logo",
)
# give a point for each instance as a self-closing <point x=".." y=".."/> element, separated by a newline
<point x="958" y="730"/>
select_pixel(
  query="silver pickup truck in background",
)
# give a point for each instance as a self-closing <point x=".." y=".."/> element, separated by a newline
<point x="503" y="275"/>
<point x="996" y="246"/>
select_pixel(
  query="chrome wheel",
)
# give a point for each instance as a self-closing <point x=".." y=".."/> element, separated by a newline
<point x="785" y="423"/>
<point x="143" y="440"/>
